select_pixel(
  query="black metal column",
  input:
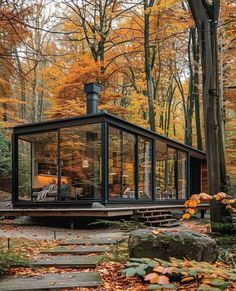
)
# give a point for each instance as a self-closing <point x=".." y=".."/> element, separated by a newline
<point x="105" y="162"/>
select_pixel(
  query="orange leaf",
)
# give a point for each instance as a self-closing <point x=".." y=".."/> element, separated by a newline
<point x="152" y="277"/>
<point x="186" y="216"/>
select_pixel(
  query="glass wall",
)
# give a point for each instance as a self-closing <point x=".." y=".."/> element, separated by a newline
<point x="182" y="175"/>
<point x="171" y="172"/>
<point x="24" y="169"/>
<point x="37" y="167"/>
<point x="80" y="162"/>
<point x="79" y="172"/>
<point x="144" y="168"/>
<point x="121" y="172"/>
<point x="66" y="165"/>
<point x="161" y="162"/>
<point x="171" y="185"/>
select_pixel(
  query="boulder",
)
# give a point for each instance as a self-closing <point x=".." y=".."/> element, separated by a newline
<point x="144" y="243"/>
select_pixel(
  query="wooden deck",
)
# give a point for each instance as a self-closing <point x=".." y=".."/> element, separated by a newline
<point x="91" y="212"/>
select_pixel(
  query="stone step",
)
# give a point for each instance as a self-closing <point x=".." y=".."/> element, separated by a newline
<point x="162" y="221"/>
<point x="67" y="261"/>
<point x="155" y="213"/>
<point x="51" y="281"/>
<point x="158" y="224"/>
<point x="157" y="217"/>
<point x="92" y="241"/>
<point x="152" y="210"/>
<point x="77" y="250"/>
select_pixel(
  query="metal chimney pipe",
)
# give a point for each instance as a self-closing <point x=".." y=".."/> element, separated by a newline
<point x="92" y="90"/>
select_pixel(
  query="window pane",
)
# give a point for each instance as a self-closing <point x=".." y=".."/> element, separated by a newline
<point x="115" y="163"/>
<point x="161" y="161"/>
<point x="128" y="190"/>
<point x="182" y="175"/>
<point x="145" y="168"/>
<point x="39" y="153"/>
<point x="121" y="164"/>
<point x="80" y="158"/>
<point x="24" y="170"/>
<point x="171" y="174"/>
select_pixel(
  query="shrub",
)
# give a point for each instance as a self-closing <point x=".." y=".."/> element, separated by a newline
<point x="8" y="259"/>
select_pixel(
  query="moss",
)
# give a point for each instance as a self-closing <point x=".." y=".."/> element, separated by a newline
<point x="223" y="228"/>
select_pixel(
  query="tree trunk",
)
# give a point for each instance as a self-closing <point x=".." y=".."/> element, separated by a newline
<point x="196" y="66"/>
<point x="148" y="69"/>
<point x="206" y="18"/>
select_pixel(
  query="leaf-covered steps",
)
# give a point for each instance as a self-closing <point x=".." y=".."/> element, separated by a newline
<point x="77" y="250"/>
<point x="51" y="281"/>
<point x="67" y="261"/>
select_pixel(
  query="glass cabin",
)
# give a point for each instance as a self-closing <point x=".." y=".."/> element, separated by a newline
<point x="99" y="157"/>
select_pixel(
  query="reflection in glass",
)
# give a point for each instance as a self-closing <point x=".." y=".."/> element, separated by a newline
<point x="128" y="181"/>
<point x="161" y="162"/>
<point x="80" y="161"/>
<point x="24" y="170"/>
<point x="121" y="164"/>
<point x="38" y="167"/>
<point x="144" y="168"/>
<point x="171" y="173"/>
<point x="182" y="175"/>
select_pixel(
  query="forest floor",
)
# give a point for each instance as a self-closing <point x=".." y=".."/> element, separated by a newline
<point x="27" y="237"/>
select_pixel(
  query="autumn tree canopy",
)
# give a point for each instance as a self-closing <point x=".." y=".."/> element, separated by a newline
<point x="146" y="55"/>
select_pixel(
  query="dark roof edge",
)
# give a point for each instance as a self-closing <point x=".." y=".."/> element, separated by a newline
<point x="111" y="116"/>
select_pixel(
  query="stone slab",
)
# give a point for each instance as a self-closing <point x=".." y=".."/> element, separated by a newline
<point x="77" y="250"/>
<point x="68" y="261"/>
<point x="92" y="241"/>
<point x="51" y="281"/>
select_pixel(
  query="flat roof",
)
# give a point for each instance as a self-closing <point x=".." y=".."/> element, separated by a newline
<point x="96" y="118"/>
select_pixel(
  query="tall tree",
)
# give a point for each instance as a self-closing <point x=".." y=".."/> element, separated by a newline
<point x="206" y="15"/>
<point x="148" y="4"/>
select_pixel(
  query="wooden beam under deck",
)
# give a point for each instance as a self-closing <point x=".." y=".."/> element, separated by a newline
<point x="91" y="212"/>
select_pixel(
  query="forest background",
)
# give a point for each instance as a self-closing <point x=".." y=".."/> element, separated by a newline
<point x="145" y="54"/>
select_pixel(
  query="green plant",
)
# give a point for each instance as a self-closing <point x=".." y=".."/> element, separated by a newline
<point x="5" y="160"/>
<point x="8" y="259"/>
<point x="164" y="275"/>
<point x="125" y="225"/>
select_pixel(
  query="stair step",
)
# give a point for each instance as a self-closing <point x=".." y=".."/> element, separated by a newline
<point x="67" y="261"/>
<point x="51" y="281"/>
<point x="166" y="219"/>
<point x="160" y="216"/>
<point x="153" y="213"/>
<point x="156" y="224"/>
<point x="152" y="210"/>
<point x="77" y="250"/>
<point x="162" y="221"/>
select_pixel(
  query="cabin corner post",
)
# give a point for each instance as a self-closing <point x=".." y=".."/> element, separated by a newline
<point x="14" y="167"/>
<point x="104" y="133"/>
<point x="188" y="186"/>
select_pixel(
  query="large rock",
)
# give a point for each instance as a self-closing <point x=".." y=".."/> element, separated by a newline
<point x="180" y="244"/>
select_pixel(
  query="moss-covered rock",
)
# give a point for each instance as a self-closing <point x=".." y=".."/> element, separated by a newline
<point x="181" y="244"/>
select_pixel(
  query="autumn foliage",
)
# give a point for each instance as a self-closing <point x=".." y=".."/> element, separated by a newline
<point x="196" y="199"/>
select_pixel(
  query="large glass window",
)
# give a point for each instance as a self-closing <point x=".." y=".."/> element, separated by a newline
<point x="161" y="167"/>
<point x="37" y="167"/>
<point x="121" y="164"/>
<point x="182" y="175"/>
<point x="144" y="168"/>
<point x="171" y="172"/>
<point x="80" y="159"/>
<point x="24" y="169"/>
